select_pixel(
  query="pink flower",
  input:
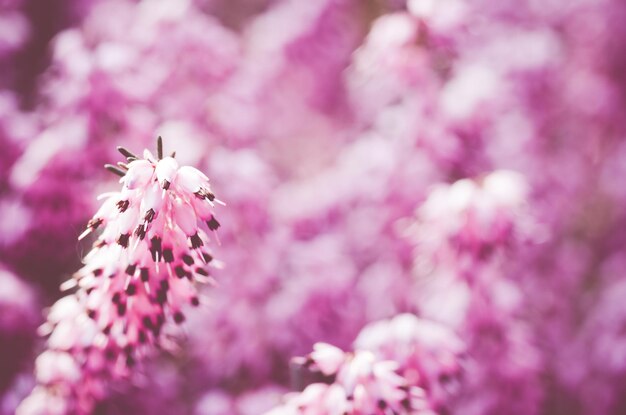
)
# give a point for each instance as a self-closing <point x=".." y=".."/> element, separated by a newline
<point x="471" y="220"/>
<point x="143" y="271"/>
<point x="427" y="353"/>
<point x="361" y="384"/>
<point x="328" y="358"/>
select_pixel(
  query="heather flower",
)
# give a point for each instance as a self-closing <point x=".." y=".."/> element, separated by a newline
<point x="467" y="233"/>
<point x="473" y="219"/>
<point x="142" y="272"/>
<point x="406" y="365"/>
<point x="428" y="354"/>
<point x="361" y="384"/>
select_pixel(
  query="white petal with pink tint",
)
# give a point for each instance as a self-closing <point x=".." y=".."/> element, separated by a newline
<point x="51" y="366"/>
<point x="166" y="170"/>
<point x="203" y="209"/>
<point x="327" y="357"/>
<point x="42" y="402"/>
<point x="153" y="199"/>
<point x="138" y="175"/>
<point x="128" y="221"/>
<point x="185" y="218"/>
<point x="190" y="179"/>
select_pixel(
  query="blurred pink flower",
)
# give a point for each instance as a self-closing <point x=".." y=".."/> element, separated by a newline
<point x="402" y="365"/>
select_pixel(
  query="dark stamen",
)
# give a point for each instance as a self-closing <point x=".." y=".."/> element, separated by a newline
<point x="173" y="155"/>
<point x="131" y="290"/>
<point x="187" y="259"/>
<point x="406" y="402"/>
<point x="212" y="223"/>
<point x="155" y="248"/>
<point x="130" y="270"/>
<point x="94" y="223"/>
<point x="205" y="194"/>
<point x="160" y="148"/>
<point x="123" y="240"/>
<point x="114" y="170"/>
<point x="196" y="241"/>
<point x="168" y="255"/>
<point x="126" y="153"/>
<point x="179" y="317"/>
<point x="150" y="215"/>
<point x="130" y="361"/>
<point x="122" y="165"/>
<point x="122" y="205"/>
<point x="140" y="232"/>
<point x="180" y="271"/>
<point x="145" y="274"/>
<point x="161" y="297"/>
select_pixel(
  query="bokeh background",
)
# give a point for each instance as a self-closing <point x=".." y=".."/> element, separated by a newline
<point x="462" y="161"/>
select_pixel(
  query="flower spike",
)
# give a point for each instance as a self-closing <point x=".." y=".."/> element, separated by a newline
<point x="141" y="274"/>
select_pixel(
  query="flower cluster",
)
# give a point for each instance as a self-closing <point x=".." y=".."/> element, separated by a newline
<point x="399" y="373"/>
<point x="474" y="218"/>
<point x="141" y="273"/>
<point x="465" y="235"/>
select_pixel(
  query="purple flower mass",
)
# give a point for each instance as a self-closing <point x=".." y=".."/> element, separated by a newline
<point x="422" y="207"/>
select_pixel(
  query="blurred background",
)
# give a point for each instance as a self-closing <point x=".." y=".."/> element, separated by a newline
<point x="462" y="161"/>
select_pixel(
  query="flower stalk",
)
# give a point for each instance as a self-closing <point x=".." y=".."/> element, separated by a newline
<point x="142" y="272"/>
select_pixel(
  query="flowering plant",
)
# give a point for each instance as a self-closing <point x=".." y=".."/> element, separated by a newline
<point x="424" y="203"/>
<point x="141" y="273"/>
